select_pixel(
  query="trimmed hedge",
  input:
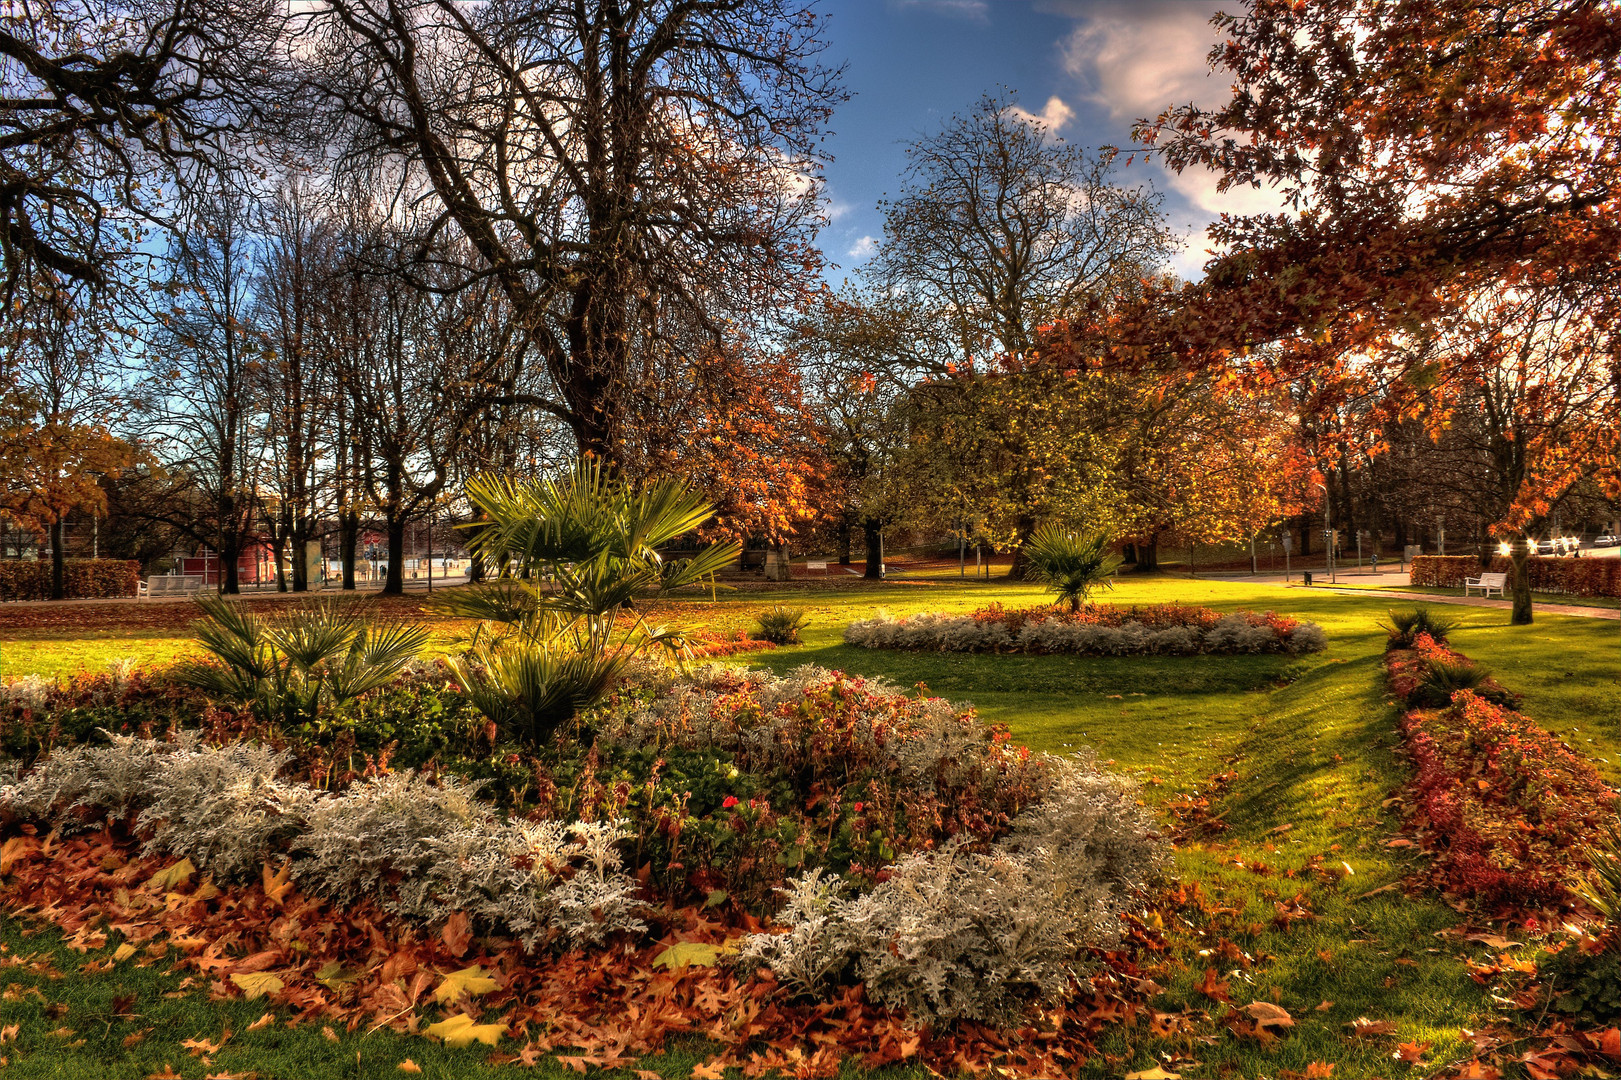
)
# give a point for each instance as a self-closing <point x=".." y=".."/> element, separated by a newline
<point x="1574" y="577"/>
<point x="83" y="579"/>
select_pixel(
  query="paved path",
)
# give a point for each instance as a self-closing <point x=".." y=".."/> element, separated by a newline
<point x="1540" y="608"/>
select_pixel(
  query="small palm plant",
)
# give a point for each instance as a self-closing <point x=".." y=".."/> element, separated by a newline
<point x="292" y="670"/>
<point x="1407" y="625"/>
<point x="1601" y="888"/>
<point x="780" y="624"/>
<point x="1070" y="564"/>
<point x="579" y="573"/>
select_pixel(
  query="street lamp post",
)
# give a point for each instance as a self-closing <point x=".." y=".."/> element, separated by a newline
<point x="1328" y="534"/>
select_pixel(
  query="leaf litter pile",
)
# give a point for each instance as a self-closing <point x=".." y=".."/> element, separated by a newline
<point x="352" y="967"/>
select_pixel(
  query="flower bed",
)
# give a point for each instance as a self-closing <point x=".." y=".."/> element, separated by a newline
<point x="1505" y="807"/>
<point x="1100" y="630"/>
<point x="1573" y="577"/>
<point x="904" y="818"/>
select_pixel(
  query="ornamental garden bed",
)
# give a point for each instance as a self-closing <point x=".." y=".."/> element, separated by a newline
<point x="1510" y="813"/>
<point x="1098" y="630"/>
<point x="856" y="870"/>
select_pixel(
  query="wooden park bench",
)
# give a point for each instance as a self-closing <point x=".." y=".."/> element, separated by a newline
<point x="1485" y="583"/>
<point x="170" y="584"/>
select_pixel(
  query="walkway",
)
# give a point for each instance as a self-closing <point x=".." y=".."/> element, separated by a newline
<point x="1539" y="608"/>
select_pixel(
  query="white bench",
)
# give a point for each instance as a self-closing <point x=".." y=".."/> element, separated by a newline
<point x="169" y="584"/>
<point x="1485" y="583"/>
<point x="822" y="566"/>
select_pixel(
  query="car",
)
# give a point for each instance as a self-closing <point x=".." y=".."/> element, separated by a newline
<point x="1547" y="547"/>
<point x="1607" y="540"/>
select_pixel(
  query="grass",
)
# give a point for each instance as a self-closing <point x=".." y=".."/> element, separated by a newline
<point x="1311" y="742"/>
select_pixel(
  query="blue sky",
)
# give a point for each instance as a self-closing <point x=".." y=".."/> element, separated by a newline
<point x="1091" y="65"/>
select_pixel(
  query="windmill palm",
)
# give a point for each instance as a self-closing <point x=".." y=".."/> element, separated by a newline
<point x="1070" y="564"/>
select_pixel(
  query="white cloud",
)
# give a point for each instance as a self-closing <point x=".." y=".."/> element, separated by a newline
<point x="977" y="10"/>
<point x="1134" y="60"/>
<point x="1053" y="115"/>
<point x="864" y="248"/>
<point x="836" y="208"/>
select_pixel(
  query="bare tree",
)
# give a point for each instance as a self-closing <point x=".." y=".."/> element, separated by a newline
<point x="96" y="94"/>
<point x="205" y="377"/>
<point x="297" y="258"/>
<point x="1000" y="228"/>
<point x="624" y="170"/>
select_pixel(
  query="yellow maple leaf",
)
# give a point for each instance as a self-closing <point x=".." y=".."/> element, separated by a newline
<point x="408" y="1066"/>
<point x="124" y="952"/>
<point x="172" y="877"/>
<point x="278" y="885"/>
<point x="459" y="1030"/>
<point x="470" y="981"/>
<point x="256" y="984"/>
<point x="1156" y="1073"/>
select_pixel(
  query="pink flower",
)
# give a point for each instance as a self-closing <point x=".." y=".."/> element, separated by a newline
<point x="728" y="802"/>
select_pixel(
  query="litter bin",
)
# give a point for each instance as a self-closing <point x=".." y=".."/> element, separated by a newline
<point x="1307" y="577"/>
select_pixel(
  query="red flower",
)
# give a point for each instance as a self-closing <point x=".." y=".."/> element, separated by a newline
<point x="858" y="807"/>
<point x="728" y="802"/>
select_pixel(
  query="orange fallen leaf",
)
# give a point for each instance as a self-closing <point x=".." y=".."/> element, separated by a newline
<point x="458" y="933"/>
<point x="1267" y="1014"/>
<point x="408" y="1066"/>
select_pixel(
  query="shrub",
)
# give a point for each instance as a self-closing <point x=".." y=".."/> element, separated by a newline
<point x="780" y="625"/>
<point x="1071" y="565"/>
<point x="1575" y="577"/>
<point x="960" y="933"/>
<point x="547" y="654"/>
<point x="1170" y="630"/>
<point x="422" y="850"/>
<point x="1504" y="806"/>
<point x="1407" y="625"/>
<point x="293" y="670"/>
<point x="81" y="578"/>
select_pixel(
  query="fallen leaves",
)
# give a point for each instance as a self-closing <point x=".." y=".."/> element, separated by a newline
<point x="172" y="877"/>
<point x="459" y="1030"/>
<point x="1266" y="1014"/>
<point x="256" y="984"/>
<point x="1363" y="1028"/>
<point x="457" y="933"/>
<point x="1156" y="1073"/>
<point x="468" y="982"/>
<point x="408" y="1066"/>
<point x="277" y="884"/>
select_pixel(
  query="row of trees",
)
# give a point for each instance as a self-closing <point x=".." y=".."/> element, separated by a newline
<point x="386" y="249"/>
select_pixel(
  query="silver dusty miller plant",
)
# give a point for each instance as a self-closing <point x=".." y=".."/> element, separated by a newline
<point x="422" y="850"/>
<point x="977" y="935"/>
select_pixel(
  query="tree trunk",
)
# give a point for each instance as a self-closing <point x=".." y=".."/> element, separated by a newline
<point x="872" y="532"/>
<point x="1148" y="555"/>
<point x="348" y="543"/>
<point x="1128" y="555"/>
<point x="394" y="585"/>
<point x="845" y="533"/>
<point x="1520" y="553"/>
<point x="1306" y="524"/>
<point x="230" y="554"/>
<point x="278" y="546"/>
<point x="301" y="569"/>
<point x="1021" y="564"/>
<point x="59" y="582"/>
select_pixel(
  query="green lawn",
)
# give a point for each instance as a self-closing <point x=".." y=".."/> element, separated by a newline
<point x="1311" y="741"/>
